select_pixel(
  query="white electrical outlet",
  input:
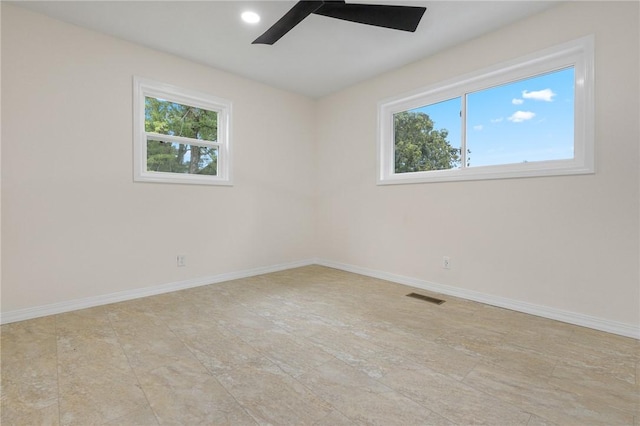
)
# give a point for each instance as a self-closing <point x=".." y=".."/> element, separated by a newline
<point x="181" y="260"/>
<point x="446" y="262"/>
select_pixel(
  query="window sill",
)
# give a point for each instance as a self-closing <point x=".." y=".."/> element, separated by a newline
<point x="158" y="177"/>
<point x="550" y="168"/>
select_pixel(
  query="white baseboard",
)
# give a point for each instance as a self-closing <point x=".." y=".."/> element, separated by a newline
<point x="89" y="302"/>
<point x="516" y="305"/>
<point x="609" y="326"/>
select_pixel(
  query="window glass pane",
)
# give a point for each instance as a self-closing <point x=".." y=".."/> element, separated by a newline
<point x="524" y="121"/>
<point x="181" y="158"/>
<point x="428" y="138"/>
<point x="171" y="118"/>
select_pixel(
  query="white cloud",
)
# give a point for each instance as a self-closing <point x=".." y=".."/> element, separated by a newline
<point x="520" y="116"/>
<point x="517" y="101"/>
<point x="497" y="120"/>
<point x="540" y="95"/>
<point x="478" y="127"/>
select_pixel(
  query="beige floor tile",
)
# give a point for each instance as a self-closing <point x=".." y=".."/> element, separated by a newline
<point x="425" y="327"/>
<point x="96" y="383"/>
<point x="637" y="389"/>
<point x="151" y="306"/>
<point x="453" y="400"/>
<point x="606" y="343"/>
<point x="82" y="320"/>
<point x="141" y="417"/>
<point x="29" y="372"/>
<point x="597" y="386"/>
<point x="539" y="421"/>
<point x="305" y="324"/>
<point x="216" y="347"/>
<point x="88" y="347"/>
<point x="547" y="401"/>
<point x="97" y="394"/>
<point x="37" y="390"/>
<point x="213" y="300"/>
<point x="402" y="346"/>
<point x="246" y="325"/>
<point x="150" y="347"/>
<point x="27" y="331"/>
<point x="313" y="345"/>
<point x="475" y="340"/>
<point x="184" y="314"/>
<point x="362" y="399"/>
<point x="334" y="418"/>
<point x="506" y="321"/>
<point x="541" y="336"/>
<point x="345" y="345"/>
<point x="600" y="360"/>
<point x="519" y="360"/>
<point x="272" y="396"/>
<point x="18" y="413"/>
<point x="185" y="393"/>
<point x="293" y="355"/>
<point x="133" y="313"/>
<point x="377" y="365"/>
<point x="435" y="419"/>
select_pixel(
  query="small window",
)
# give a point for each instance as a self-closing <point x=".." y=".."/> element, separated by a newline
<point x="180" y="136"/>
<point x="530" y="117"/>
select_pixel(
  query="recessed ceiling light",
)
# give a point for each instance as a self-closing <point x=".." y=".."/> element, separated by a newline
<point x="250" y="17"/>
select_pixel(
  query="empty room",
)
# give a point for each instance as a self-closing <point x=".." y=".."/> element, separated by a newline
<point x="320" y="212"/>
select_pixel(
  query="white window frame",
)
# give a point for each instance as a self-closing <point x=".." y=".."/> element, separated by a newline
<point x="577" y="54"/>
<point x="142" y="88"/>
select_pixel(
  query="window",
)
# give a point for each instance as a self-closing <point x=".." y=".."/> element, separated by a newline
<point x="180" y="136"/>
<point x="528" y="117"/>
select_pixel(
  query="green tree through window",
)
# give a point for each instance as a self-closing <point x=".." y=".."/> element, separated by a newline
<point x="419" y="146"/>
<point x="174" y="119"/>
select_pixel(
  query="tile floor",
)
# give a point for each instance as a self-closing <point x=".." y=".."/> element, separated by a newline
<point x="313" y="346"/>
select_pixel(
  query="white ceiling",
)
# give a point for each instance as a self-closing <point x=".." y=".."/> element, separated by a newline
<point x="319" y="56"/>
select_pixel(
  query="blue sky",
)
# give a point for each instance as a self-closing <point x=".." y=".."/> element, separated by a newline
<point x="527" y="120"/>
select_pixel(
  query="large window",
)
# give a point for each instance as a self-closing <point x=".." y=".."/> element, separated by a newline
<point x="529" y="117"/>
<point x="180" y="136"/>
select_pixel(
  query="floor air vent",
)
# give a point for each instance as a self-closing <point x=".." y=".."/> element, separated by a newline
<point x="426" y="298"/>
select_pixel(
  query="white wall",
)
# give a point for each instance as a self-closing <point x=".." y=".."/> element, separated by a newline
<point x="0" y="158"/>
<point x="569" y="244"/>
<point x="75" y="225"/>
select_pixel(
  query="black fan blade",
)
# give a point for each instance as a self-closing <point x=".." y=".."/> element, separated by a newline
<point x="405" y="18"/>
<point x="293" y="17"/>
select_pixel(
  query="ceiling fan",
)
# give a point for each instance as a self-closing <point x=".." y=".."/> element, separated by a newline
<point x="405" y="18"/>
